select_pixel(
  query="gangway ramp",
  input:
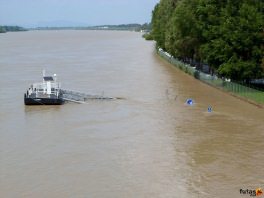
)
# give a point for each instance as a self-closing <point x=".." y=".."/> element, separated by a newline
<point x="79" y="97"/>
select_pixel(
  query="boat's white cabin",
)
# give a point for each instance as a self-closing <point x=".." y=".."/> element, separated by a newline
<point x="49" y="86"/>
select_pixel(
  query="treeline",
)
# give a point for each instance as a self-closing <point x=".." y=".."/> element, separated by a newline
<point x="228" y="35"/>
<point x="4" y="29"/>
<point x="131" y="27"/>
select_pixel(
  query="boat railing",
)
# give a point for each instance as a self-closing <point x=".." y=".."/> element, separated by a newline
<point x="44" y="85"/>
<point x="44" y="89"/>
<point x="43" y="92"/>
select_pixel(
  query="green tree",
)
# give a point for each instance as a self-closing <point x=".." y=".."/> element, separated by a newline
<point x="2" y="29"/>
<point x="160" y="18"/>
<point x="228" y="34"/>
<point x="182" y="38"/>
<point x="242" y="30"/>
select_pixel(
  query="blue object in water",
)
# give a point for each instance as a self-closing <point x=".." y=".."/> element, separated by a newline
<point x="189" y="101"/>
<point x="209" y="109"/>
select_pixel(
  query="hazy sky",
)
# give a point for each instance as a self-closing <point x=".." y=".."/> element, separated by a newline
<point x="74" y="12"/>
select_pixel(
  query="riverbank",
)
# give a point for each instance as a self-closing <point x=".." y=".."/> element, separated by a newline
<point x="4" y="29"/>
<point x="250" y="95"/>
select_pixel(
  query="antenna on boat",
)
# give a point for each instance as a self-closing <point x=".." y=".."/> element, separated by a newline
<point x="55" y="77"/>
<point x="43" y="74"/>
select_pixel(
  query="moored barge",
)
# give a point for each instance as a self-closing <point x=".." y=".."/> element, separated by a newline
<point x="47" y="92"/>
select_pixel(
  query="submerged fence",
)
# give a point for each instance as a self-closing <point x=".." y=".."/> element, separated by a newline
<point x="235" y="88"/>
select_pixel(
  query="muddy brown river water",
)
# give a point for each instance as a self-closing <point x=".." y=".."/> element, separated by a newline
<point x="150" y="144"/>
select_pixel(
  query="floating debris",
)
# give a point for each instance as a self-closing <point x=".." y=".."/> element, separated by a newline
<point x="189" y="101"/>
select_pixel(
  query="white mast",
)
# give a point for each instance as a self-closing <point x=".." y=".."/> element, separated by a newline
<point x="43" y="74"/>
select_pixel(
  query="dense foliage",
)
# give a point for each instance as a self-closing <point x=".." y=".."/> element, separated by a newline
<point x="148" y="36"/>
<point x="4" y="29"/>
<point x="228" y="35"/>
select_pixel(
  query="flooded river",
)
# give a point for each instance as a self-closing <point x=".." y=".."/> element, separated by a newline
<point x="149" y="144"/>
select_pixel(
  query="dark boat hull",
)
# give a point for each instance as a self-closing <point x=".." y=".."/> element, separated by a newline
<point x="43" y="101"/>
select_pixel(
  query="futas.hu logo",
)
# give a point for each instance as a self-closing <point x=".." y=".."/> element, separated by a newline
<point x="253" y="193"/>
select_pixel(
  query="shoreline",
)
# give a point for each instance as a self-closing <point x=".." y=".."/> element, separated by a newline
<point x="209" y="80"/>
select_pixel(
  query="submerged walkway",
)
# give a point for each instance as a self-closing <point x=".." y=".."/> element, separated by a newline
<point x="79" y="97"/>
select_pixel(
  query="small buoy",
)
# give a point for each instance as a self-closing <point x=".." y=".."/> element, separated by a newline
<point x="189" y="101"/>
<point x="209" y="109"/>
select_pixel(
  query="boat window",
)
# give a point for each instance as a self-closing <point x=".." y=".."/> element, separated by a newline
<point x="48" y="78"/>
